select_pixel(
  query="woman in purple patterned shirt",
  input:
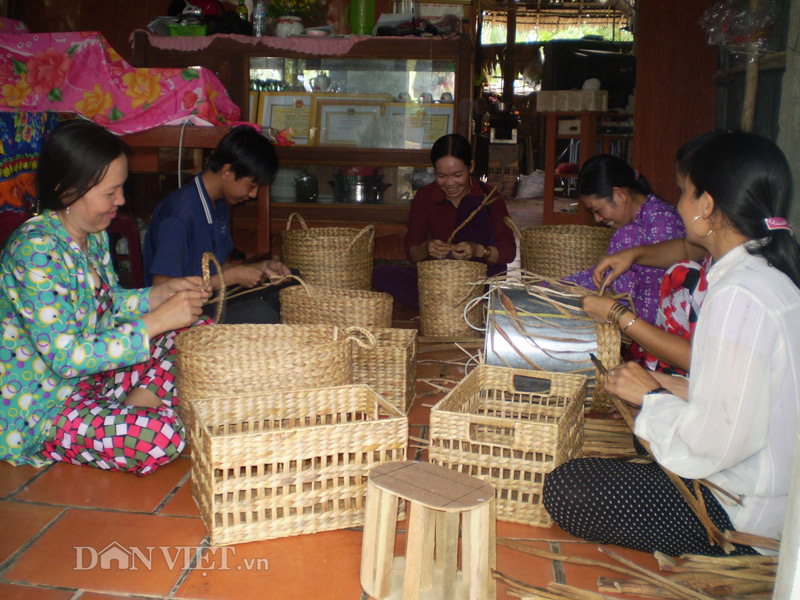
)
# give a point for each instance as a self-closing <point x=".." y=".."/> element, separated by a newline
<point x="618" y="198"/>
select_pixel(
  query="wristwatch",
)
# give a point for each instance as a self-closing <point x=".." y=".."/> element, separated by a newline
<point x="658" y="390"/>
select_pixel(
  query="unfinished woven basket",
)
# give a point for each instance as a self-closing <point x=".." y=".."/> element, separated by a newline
<point x="445" y="289"/>
<point x="316" y="305"/>
<point x="337" y="257"/>
<point x="558" y="251"/>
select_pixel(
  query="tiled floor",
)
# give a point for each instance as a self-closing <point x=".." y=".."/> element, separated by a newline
<point x="70" y="532"/>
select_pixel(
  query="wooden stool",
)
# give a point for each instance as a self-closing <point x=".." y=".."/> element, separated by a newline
<point x="437" y="496"/>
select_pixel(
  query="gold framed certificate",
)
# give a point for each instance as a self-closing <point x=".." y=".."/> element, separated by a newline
<point x="281" y="110"/>
<point x="421" y="124"/>
<point x="340" y="119"/>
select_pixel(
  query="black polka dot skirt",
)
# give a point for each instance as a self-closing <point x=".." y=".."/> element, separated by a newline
<point x="630" y="504"/>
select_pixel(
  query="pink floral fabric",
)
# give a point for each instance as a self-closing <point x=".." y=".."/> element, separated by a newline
<point x="79" y="72"/>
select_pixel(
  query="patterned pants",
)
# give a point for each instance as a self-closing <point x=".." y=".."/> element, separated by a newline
<point x="613" y="501"/>
<point x="95" y="428"/>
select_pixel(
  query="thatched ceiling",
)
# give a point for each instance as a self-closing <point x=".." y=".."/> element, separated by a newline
<point x="548" y="14"/>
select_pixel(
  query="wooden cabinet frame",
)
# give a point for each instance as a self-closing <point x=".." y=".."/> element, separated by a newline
<point x="230" y="60"/>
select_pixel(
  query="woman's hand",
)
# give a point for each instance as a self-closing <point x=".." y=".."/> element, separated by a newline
<point x="161" y="292"/>
<point x="630" y="381"/>
<point x="180" y="310"/>
<point x="464" y="250"/>
<point x="612" y="266"/>
<point x="438" y="249"/>
<point x="597" y="307"/>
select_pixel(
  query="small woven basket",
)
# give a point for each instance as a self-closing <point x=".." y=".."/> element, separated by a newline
<point x="288" y="463"/>
<point x="316" y="305"/>
<point x="510" y="427"/>
<point x="337" y="257"/>
<point x="559" y="251"/>
<point x="390" y="367"/>
<point x="445" y="289"/>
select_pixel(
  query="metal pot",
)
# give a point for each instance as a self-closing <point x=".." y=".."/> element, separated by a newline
<point x="359" y="189"/>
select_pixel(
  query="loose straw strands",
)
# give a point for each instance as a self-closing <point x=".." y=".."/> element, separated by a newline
<point x="629" y="568"/>
<point x="720" y="576"/>
<point x="607" y="437"/>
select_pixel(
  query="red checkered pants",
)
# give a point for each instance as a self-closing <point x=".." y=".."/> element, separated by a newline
<point x="95" y="428"/>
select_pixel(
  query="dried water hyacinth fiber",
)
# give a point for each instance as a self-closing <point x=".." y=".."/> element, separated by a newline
<point x="307" y="304"/>
<point x="337" y="257"/>
<point x="609" y="438"/>
<point x="446" y="287"/>
<point x="293" y="462"/>
<point x="510" y="427"/>
<point x="559" y="251"/>
<point x="694" y="577"/>
<point x="537" y="322"/>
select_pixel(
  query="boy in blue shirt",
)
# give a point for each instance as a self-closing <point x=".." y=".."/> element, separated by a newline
<point x="195" y="219"/>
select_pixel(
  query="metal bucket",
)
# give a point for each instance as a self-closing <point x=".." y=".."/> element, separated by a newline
<point x="536" y="335"/>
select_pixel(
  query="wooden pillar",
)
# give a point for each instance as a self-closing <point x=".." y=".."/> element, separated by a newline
<point x="509" y="65"/>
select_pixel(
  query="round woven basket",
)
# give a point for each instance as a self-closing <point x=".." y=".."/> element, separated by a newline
<point x="336" y="257"/>
<point x="558" y="251"/>
<point x="445" y="289"/>
<point x="316" y="305"/>
<point x="220" y="361"/>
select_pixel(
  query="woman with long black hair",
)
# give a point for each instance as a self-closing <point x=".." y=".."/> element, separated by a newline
<point x="734" y="421"/>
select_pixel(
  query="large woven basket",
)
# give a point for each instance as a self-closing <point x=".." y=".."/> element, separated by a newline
<point x="510" y="427"/>
<point x="316" y="305"/>
<point x="288" y="463"/>
<point x="390" y="367"/>
<point x="558" y="251"/>
<point x="217" y="361"/>
<point x="337" y="257"/>
<point x="445" y="289"/>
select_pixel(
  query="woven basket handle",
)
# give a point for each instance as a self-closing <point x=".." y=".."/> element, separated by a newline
<point x="477" y="422"/>
<point x="370" y="228"/>
<point x="220" y="299"/>
<point x="512" y="226"/>
<point x="307" y="287"/>
<point x="299" y="218"/>
<point x="487" y="200"/>
<point x="357" y="333"/>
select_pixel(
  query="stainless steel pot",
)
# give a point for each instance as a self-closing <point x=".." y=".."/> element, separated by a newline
<point x="359" y="189"/>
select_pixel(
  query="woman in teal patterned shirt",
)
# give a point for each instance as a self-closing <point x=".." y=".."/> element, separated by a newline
<point x="86" y="366"/>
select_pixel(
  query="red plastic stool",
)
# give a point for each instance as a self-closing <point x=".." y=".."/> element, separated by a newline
<point x="124" y="226"/>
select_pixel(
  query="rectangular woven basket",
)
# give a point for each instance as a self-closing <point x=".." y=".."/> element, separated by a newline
<point x="390" y="368"/>
<point x="289" y="463"/>
<point x="510" y="427"/>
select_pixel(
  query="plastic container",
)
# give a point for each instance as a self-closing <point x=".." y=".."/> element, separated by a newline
<point x="260" y="18"/>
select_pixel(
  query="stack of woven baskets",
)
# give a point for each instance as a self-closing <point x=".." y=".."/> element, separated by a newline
<point x="284" y="421"/>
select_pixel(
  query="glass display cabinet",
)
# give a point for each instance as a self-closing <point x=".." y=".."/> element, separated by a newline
<point x="361" y="114"/>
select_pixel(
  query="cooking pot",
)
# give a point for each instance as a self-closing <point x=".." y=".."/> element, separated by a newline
<point x="359" y="189"/>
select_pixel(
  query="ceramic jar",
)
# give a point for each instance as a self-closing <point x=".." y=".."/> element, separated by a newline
<point x="289" y="25"/>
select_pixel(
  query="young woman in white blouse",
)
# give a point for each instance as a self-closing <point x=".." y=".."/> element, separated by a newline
<point x="734" y="421"/>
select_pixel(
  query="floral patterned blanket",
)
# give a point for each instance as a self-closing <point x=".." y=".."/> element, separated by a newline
<point x="79" y="72"/>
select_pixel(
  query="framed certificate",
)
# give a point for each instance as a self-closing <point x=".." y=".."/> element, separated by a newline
<point x="339" y="119"/>
<point x="281" y="110"/>
<point x="421" y="124"/>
